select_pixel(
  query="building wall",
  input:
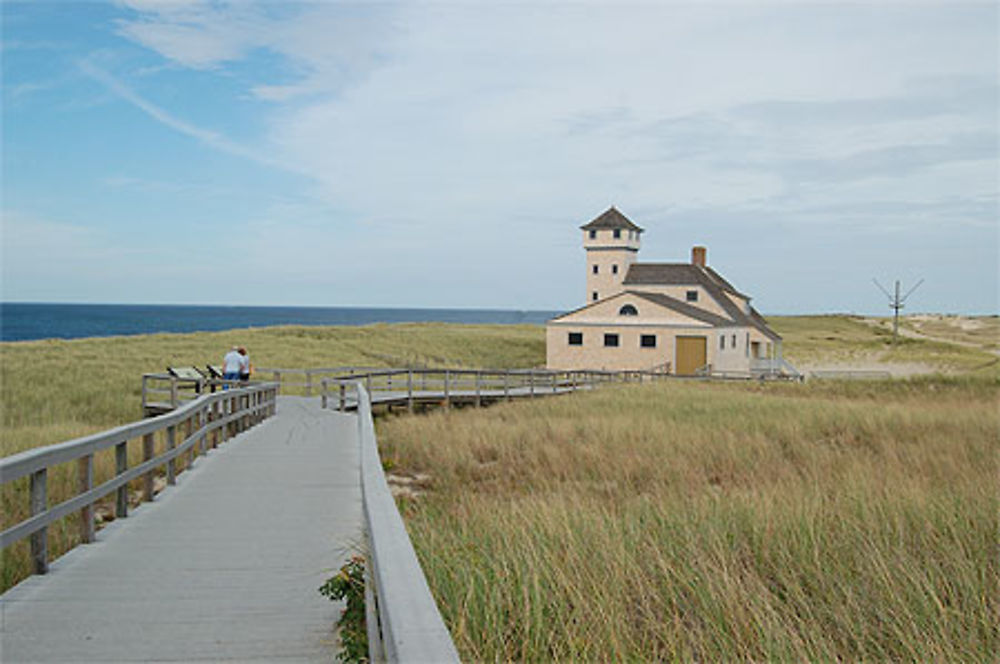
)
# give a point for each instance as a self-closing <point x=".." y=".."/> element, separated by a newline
<point x="612" y="258"/>
<point x="629" y="355"/>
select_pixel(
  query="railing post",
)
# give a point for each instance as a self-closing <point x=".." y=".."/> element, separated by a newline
<point x="409" y="390"/>
<point x="324" y="386"/>
<point x="193" y="450"/>
<point x="309" y="383"/>
<point x="202" y="420"/>
<point x="85" y="482"/>
<point x="214" y="417"/>
<point x="40" y="503"/>
<point x="554" y="389"/>
<point x="479" y="400"/>
<point x="234" y="410"/>
<point x="343" y="397"/>
<point x="447" y="392"/>
<point x="145" y="396"/>
<point x="506" y="384"/>
<point x="368" y="383"/>
<point x="531" y="383"/>
<point x="173" y="392"/>
<point x="148" y="449"/>
<point x="171" y="464"/>
<point x="121" y="465"/>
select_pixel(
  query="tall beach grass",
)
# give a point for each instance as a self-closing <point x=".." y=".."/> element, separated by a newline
<point x="714" y="522"/>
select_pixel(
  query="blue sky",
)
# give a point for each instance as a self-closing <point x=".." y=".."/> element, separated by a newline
<point x="443" y="154"/>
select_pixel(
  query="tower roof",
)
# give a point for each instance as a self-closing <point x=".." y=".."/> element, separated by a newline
<point x="611" y="218"/>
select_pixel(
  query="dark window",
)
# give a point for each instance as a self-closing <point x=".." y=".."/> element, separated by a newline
<point x="618" y="233"/>
<point x="692" y="296"/>
<point x="593" y="235"/>
<point x="576" y="338"/>
<point x="648" y="341"/>
<point x="593" y="296"/>
<point x="614" y="269"/>
<point x="595" y="269"/>
<point x="734" y="341"/>
<point x="611" y="340"/>
<point x="628" y="310"/>
<point x="722" y="342"/>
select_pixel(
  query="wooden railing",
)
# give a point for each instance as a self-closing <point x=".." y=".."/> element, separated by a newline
<point x="190" y="429"/>
<point x="306" y="382"/>
<point x="403" y="621"/>
<point x="446" y="387"/>
<point x="163" y="392"/>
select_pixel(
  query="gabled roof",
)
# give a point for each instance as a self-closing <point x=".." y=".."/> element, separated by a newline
<point x="611" y="218"/>
<point x="664" y="301"/>
<point x="674" y="304"/>
<point x="688" y="274"/>
<point x="677" y="274"/>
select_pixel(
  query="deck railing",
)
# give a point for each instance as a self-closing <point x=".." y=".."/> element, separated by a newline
<point x="189" y="429"/>
<point x="408" y="387"/>
<point x="404" y="624"/>
<point x="163" y="392"/>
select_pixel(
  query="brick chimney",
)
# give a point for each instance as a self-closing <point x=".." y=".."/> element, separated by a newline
<point x="699" y="256"/>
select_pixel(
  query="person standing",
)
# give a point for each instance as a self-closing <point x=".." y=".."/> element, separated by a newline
<point x="232" y="366"/>
<point x="245" y="365"/>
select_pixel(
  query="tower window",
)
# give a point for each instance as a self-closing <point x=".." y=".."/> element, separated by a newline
<point x="628" y="310"/>
<point x="595" y="269"/>
<point x="593" y="296"/>
<point x="614" y="269"/>
<point x="576" y="338"/>
<point x="722" y="342"/>
<point x="611" y="340"/>
<point x="593" y="235"/>
<point x="692" y="296"/>
<point x="618" y="233"/>
<point x="647" y="341"/>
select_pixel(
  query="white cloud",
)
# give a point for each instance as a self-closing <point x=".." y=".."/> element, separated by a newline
<point x="462" y="134"/>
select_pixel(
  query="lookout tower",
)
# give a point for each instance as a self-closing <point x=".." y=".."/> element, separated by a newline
<point x="612" y="245"/>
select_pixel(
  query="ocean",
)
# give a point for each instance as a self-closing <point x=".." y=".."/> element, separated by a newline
<point x="21" y="321"/>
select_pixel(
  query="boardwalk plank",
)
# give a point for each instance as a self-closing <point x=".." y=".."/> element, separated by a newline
<point x="224" y="566"/>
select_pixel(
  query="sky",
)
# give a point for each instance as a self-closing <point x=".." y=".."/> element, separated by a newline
<point x="444" y="154"/>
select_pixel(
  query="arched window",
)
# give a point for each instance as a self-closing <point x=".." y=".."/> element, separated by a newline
<point x="628" y="310"/>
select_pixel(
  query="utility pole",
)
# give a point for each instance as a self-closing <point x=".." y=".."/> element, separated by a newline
<point x="896" y="303"/>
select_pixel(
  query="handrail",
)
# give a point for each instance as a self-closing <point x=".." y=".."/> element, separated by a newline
<point x="447" y="386"/>
<point x="238" y="409"/>
<point x="178" y="390"/>
<point x="409" y="624"/>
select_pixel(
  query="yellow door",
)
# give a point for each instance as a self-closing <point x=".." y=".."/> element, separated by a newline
<point x="691" y="355"/>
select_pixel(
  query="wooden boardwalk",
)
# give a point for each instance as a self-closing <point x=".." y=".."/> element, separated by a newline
<point x="223" y="566"/>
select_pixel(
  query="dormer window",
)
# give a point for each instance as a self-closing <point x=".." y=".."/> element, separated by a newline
<point x="618" y="233"/>
<point x="593" y="235"/>
<point x="692" y="296"/>
<point x="628" y="310"/>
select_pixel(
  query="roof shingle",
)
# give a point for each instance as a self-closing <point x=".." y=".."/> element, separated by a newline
<point x="611" y="218"/>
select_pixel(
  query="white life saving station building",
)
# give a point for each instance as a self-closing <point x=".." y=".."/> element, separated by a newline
<point x="677" y="318"/>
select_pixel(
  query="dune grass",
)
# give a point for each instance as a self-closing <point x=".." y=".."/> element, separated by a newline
<point x="714" y="522"/>
<point x="843" y="339"/>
